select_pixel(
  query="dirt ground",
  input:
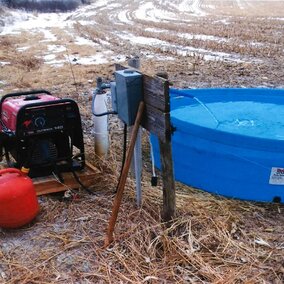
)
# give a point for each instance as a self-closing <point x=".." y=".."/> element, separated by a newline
<point x="200" y="44"/>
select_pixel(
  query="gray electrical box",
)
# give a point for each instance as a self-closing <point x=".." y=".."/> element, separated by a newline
<point x="128" y="94"/>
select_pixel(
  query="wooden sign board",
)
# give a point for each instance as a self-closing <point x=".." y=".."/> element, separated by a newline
<point x="156" y="118"/>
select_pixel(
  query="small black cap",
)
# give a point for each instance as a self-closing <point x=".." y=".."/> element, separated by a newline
<point x="154" y="181"/>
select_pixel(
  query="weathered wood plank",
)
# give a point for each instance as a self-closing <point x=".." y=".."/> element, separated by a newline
<point x="156" y="92"/>
<point x="157" y="122"/>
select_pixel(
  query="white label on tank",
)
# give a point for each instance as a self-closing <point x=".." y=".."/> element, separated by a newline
<point x="277" y="176"/>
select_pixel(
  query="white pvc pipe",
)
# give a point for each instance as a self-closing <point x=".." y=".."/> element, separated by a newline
<point x="137" y="158"/>
<point x="100" y="131"/>
<point x="138" y="166"/>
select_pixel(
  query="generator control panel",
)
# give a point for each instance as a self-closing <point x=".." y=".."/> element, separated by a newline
<point x="45" y="119"/>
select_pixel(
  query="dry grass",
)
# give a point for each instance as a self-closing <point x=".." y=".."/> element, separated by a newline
<point x="212" y="240"/>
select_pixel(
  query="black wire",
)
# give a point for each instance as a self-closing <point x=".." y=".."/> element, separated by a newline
<point x="124" y="153"/>
<point x="7" y="157"/>
<point x="80" y="183"/>
<point x="99" y="114"/>
<point x="72" y="170"/>
<point x="104" y="113"/>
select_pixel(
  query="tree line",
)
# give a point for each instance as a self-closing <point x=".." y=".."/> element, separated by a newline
<point x="45" y="5"/>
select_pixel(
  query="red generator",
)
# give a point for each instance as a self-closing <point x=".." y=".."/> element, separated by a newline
<point x="41" y="133"/>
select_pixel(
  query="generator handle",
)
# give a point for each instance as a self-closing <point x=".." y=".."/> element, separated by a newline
<point x="18" y="94"/>
<point x="48" y="103"/>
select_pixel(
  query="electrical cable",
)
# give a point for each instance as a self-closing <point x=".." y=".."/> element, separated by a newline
<point x="7" y="157"/>
<point x="124" y="153"/>
<point x="81" y="184"/>
<point x="93" y="107"/>
<point x="72" y="170"/>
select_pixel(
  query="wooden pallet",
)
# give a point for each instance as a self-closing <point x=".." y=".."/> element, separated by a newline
<point x="49" y="184"/>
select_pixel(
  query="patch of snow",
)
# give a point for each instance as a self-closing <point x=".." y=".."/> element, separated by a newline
<point x="99" y="58"/>
<point x="209" y="55"/>
<point x="49" y="57"/>
<point x="202" y="37"/>
<point x="104" y="42"/>
<point x="23" y="48"/>
<point x="92" y="60"/>
<point x="196" y="8"/>
<point x="277" y="18"/>
<point x="240" y="4"/>
<point x="123" y="17"/>
<point x="145" y="12"/>
<point x="114" y="5"/>
<point x="212" y="7"/>
<point x="56" y="63"/>
<point x="141" y="39"/>
<point x="84" y="41"/>
<point x="100" y="3"/>
<point x="87" y="23"/>
<point x="24" y="21"/>
<point x="56" y="48"/>
<point x="160" y="57"/>
<point x="185" y="50"/>
<point x="257" y="44"/>
<point x="193" y="7"/>
<point x="155" y="30"/>
<point x="48" y="35"/>
<point x="92" y="9"/>
<point x="84" y="14"/>
<point x="149" y="12"/>
<point x="223" y="21"/>
<point x="184" y="6"/>
<point x="3" y="63"/>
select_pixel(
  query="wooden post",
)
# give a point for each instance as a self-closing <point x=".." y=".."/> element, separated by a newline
<point x="169" y="192"/>
<point x="134" y="62"/>
<point x="169" y="195"/>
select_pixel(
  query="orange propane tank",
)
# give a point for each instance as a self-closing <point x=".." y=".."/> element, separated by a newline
<point x="18" y="201"/>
